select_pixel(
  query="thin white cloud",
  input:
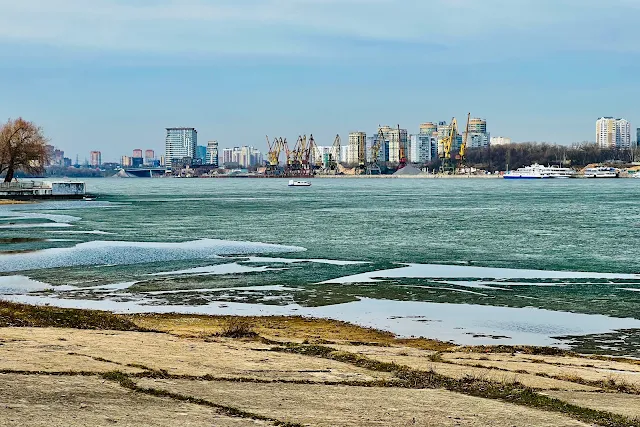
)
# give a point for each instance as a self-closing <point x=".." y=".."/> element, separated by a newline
<point x="307" y="27"/>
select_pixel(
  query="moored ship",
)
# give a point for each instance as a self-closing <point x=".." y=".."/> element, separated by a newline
<point x="601" y="172"/>
<point x="537" y="171"/>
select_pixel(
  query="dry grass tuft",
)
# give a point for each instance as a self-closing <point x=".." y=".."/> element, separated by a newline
<point x="238" y="327"/>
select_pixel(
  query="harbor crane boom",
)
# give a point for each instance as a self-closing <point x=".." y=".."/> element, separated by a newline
<point x="463" y="147"/>
<point x="402" y="157"/>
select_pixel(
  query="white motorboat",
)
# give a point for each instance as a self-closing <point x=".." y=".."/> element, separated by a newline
<point x="601" y="172"/>
<point x="293" y="183"/>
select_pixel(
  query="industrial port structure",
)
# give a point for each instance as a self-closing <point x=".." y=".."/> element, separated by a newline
<point x="305" y="159"/>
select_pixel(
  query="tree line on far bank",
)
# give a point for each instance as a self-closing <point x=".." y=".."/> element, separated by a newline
<point x="513" y="156"/>
<point x="23" y="148"/>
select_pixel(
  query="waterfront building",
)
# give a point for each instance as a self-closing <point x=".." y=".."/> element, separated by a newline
<point x="423" y="147"/>
<point x="201" y="153"/>
<point x="137" y="153"/>
<point x="126" y="161"/>
<point x="357" y="144"/>
<point x="96" y="159"/>
<point x="56" y="156"/>
<point x="227" y="156"/>
<point x="500" y="140"/>
<point x="428" y="128"/>
<point x="344" y="153"/>
<point x="180" y="143"/>
<point x="257" y="158"/>
<point x="478" y="136"/>
<point x="613" y="133"/>
<point x="212" y="153"/>
<point x="149" y="157"/>
<point x="162" y="162"/>
<point x="478" y="140"/>
<point x="477" y="125"/>
<point x="396" y="138"/>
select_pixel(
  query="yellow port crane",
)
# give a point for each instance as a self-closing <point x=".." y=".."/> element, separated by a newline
<point x="463" y="147"/>
<point x="274" y="152"/>
<point x="445" y="145"/>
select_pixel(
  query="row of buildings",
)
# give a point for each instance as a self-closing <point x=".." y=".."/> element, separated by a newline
<point x="419" y="148"/>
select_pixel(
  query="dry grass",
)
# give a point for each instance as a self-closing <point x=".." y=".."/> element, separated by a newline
<point x="23" y="315"/>
<point x="284" y="328"/>
<point x="238" y="327"/>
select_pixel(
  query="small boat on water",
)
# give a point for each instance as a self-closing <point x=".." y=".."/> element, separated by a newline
<point x="293" y="183"/>
<point x="601" y="172"/>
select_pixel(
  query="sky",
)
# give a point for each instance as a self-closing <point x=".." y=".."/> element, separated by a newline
<point x="111" y="75"/>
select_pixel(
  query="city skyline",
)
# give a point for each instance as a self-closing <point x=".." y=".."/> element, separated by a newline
<point x="293" y="67"/>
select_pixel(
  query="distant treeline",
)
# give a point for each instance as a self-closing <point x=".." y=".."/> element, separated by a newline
<point x="497" y="158"/>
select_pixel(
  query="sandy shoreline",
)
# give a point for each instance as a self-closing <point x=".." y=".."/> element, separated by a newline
<point x="79" y="367"/>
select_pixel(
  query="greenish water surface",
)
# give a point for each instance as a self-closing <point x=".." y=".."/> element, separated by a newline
<point x="59" y="252"/>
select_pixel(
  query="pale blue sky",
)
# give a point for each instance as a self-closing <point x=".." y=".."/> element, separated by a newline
<point x="112" y="74"/>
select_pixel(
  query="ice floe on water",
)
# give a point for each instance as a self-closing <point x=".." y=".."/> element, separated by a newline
<point x="424" y="271"/>
<point x="10" y="285"/>
<point x="220" y="269"/>
<point x="96" y="232"/>
<point x="35" y="225"/>
<point x="126" y="253"/>
<point x="256" y="259"/>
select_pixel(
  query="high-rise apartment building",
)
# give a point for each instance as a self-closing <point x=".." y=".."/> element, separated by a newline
<point x="478" y="136"/>
<point x="613" y="133"/>
<point x="137" y="153"/>
<point x="428" y="128"/>
<point x="201" y="153"/>
<point x="96" y="159"/>
<point x="126" y="161"/>
<point x="180" y="143"/>
<point x="357" y="147"/>
<point x="396" y="138"/>
<point x="149" y="155"/>
<point x="444" y="129"/>
<point x="423" y="147"/>
<point x="227" y="156"/>
<point x="212" y="153"/>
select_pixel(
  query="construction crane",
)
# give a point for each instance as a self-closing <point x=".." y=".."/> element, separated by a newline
<point x="402" y="157"/>
<point x="444" y="148"/>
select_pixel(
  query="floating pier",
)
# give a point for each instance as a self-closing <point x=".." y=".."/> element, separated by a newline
<point x="43" y="190"/>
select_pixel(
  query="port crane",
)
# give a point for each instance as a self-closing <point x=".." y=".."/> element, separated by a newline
<point x="273" y="157"/>
<point x="444" y="148"/>
<point x="374" y="167"/>
<point x="463" y="147"/>
<point x="402" y="156"/>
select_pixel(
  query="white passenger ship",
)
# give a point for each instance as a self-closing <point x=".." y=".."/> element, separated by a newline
<point x="537" y="171"/>
<point x="601" y="172"/>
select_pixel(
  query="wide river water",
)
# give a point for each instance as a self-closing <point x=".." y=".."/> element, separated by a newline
<point x="474" y="261"/>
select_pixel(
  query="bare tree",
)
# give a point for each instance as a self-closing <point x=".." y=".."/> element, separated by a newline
<point x="22" y="147"/>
